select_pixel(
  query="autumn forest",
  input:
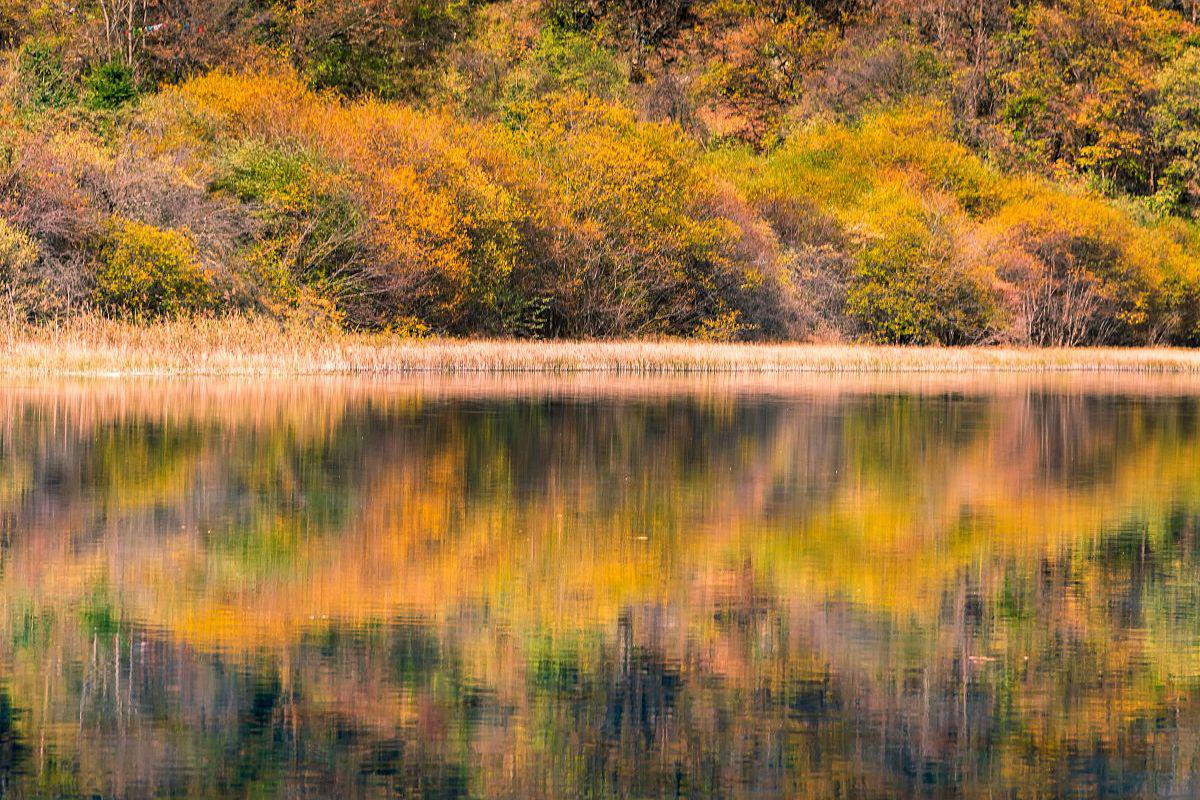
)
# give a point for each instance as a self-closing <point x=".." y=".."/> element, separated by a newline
<point x="953" y="172"/>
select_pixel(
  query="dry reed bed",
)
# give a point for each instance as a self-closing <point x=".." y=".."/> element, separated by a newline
<point x="249" y="347"/>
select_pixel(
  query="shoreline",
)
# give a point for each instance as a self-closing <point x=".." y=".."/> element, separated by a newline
<point x="244" y="347"/>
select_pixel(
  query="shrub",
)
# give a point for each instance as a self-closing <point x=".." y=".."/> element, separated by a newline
<point x="944" y="250"/>
<point x="146" y="273"/>
<point x="872" y="218"/>
<point x="1084" y="273"/>
<point x="576" y="219"/>
<point x="54" y="190"/>
<point x="582" y="222"/>
<point x="285" y="183"/>
<point x="42" y="78"/>
<point x="17" y="250"/>
<point x="457" y="236"/>
<point x="838" y="166"/>
<point x="442" y="208"/>
<point x="109" y="86"/>
<point x="233" y="105"/>
<point x="648" y="251"/>
<point x="19" y="286"/>
<point x="311" y="228"/>
<point x="563" y="61"/>
<point x="910" y="284"/>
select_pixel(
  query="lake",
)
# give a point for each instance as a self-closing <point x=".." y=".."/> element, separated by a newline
<point x="804" y="586"/>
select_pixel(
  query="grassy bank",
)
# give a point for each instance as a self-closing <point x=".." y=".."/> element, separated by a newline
<point x="249" y="347"/>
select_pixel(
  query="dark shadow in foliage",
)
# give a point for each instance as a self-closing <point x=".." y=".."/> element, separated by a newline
<point x="14" y="752"/>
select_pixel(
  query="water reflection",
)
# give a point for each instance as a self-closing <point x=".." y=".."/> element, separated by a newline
<point x="855" y="588"/>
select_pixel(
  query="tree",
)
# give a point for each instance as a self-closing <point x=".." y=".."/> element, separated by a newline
<point x="370" y="46"/>
<point x="186" y="35"/>
<point x="644" y="25"/>
<point x="1080" y="85"/>
<point x="966" y="30"/>
<point x="1176" y="123"/>
<point x="123" y="29"/>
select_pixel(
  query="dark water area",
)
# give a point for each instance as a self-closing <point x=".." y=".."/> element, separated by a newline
<point x="799" y="587"/>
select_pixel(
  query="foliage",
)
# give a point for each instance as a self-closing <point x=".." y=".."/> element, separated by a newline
<point x="441" y="224"/>
<point x="909" y="286"/>
<point x="948" y="250"/>
<point x="42" y="77"/>
<point x="515" y="58"/>
<point x="1082" y="86"/>
<point x="146" y="273"/>
<point x="495" y="229"/>
<point x="563" y="61"/>
<point x="109" y="86"/>
<point x="18" y="251"/>
<point x="763" y="58"/>
<point x="374" y="47"/>
<point x="651" y="254"/>
<point x="19" y="254"/>
<point x="1176" y="128"/>
<point x="310" y="236"/>
<point x="1084" y="273"/>
<point x="952" y="172"/>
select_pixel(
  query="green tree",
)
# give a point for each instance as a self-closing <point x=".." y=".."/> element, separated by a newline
<point x="1176" y="121"/>
<point x="110" y="85"/>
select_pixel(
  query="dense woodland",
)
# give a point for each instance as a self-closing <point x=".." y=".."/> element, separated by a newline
<point x="913" y="171"/>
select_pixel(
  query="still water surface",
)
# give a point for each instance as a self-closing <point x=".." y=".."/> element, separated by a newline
<point x="806" y="588"/>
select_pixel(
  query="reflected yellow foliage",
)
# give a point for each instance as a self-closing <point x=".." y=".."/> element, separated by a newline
<point x="1034" y="545"/>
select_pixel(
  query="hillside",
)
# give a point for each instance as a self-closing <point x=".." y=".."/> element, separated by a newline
<point x="954" y="172"/>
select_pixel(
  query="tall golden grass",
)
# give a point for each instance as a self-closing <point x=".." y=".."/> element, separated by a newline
<point x="248" y="346"/>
